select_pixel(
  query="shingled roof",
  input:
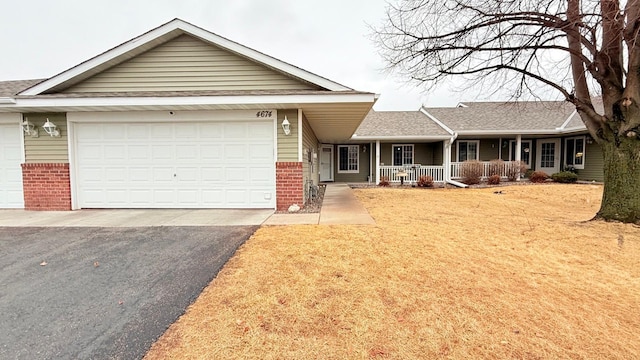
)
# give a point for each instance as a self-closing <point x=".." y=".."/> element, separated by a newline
<point x="11" y="88"/>
<point x="399" y="124"/>
<point x="539" y="116"/>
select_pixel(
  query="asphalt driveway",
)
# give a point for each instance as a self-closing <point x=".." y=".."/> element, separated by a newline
<point x="102" y="293"/>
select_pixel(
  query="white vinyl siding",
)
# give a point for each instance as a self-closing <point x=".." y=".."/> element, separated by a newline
<point x="188" y="64"/>
<point x="348" y="158"/>
<point x="574" y="150"/>
<point x="11" y="195"/>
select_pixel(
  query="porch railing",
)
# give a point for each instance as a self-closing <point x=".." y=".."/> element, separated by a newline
<point x="413" y="173"/>
<point x="486" y="169"/>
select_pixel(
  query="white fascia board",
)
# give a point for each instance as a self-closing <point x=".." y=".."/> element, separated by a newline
<point x="399" y="138"/>
<point x="178" y="24"/>
<point x="435" y="120"/>
<point x="7" y="100"/>
<point x="196" y="100"/>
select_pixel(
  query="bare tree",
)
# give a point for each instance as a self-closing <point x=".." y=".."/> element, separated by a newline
<point x="578" y="48"/>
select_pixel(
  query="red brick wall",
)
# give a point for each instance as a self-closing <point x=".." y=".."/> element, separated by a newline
<point x="46" y="186"/>
<point x="289" y="189"/>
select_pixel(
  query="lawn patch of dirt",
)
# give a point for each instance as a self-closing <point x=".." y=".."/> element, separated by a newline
<point x="445" y="273"/>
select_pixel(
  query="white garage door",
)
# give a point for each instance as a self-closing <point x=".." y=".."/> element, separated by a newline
<point x="176" y="165"/>
<point x="10" y="171"/>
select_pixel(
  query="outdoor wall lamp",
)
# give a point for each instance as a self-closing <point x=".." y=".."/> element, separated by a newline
<point x="51" y="128"/>
<point x="29" y="128"/>
<point x="286" y="126"/>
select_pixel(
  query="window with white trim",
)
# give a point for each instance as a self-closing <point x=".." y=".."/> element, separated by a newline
<point x="348" y="158"/>
<point x="468" y="150"/>
<point x="402" y="155"/>
<point x="574" y="152"/>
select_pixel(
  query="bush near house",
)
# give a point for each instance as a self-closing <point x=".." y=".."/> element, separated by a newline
<point x="496" y="166"/>
<point x="384" y="181"/>
<point x="493" y="180"/>
<point x="471" y="172"/>
<point x="514" y="169"/>
<point x="538" y="177"/>
<point x="566" y="177"/>
<point x="425" y="181"/>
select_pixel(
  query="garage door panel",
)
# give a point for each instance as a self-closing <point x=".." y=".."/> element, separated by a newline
<point x="179" y="165"/>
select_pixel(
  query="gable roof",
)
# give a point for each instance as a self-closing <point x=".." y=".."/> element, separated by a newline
<point x="539" y="117"/>
<point x="399" y="125"/>
<point x="161" y="35"/>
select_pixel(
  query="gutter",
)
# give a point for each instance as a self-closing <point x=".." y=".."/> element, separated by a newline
<point x="447" y="176"/>
<point x="7" y="100"/>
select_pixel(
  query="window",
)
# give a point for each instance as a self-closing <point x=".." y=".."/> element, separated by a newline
<point x="547" y="155"/>
<point x="574" y="152"/>
<point x="348" y="158"/>
<point x="402" y="155"/>
<point x="468" y="150"/>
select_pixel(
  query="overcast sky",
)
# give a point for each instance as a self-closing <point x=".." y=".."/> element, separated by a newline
<point x="42" y="38"/>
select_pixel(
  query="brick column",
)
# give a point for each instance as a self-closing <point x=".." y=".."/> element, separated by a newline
<point x="46" y="186"/>
<point x="289" y="189"/>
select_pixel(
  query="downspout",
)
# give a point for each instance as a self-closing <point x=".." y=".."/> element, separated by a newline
<point x="447" y="171"/>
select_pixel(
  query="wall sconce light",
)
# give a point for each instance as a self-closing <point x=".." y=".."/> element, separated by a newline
<point x="51" y="128"/>
<point x="29" y="128"/>
<point x="589" y="140"/>
<point x="286" y="126"/>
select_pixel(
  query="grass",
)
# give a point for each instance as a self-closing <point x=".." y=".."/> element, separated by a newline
<point x="445" y="273"/>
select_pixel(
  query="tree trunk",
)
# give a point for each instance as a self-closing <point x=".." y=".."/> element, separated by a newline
<point x="621" y="198"/>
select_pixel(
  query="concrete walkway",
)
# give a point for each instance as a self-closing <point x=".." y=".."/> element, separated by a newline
<point x="339" y="206"/>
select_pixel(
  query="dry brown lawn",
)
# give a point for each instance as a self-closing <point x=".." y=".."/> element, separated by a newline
<point x="448" y="273"/>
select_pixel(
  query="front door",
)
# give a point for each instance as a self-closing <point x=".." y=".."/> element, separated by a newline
<point x="326" y="163"/>
<point x="548" y="156"/>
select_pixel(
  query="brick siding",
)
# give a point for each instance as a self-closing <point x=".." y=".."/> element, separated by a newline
<point x="289" y="189"/>
<point x="46" y="186"/>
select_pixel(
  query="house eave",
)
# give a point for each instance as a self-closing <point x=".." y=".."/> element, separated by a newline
<point x="511" y="132"/>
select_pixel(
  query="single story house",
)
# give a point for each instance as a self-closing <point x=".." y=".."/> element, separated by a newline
<point x="177" y="117"/>
<point x="545" y="135"/>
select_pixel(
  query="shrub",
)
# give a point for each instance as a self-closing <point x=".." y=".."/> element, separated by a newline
<point x="514" y="169"/>
<point x="384" y="181"/>
<point x="495" y="167"/>
<point x="528" y="173"/>
<point x="565" y="177"/>
<point x="538" y="177"/>
<point x="493" y="180"/>
<point x="425" y="181"/>
<point x="471" y="172"/>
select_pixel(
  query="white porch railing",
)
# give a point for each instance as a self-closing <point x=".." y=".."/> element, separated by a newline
<point x="486" y="169"/>
<point x="413" y="173"/>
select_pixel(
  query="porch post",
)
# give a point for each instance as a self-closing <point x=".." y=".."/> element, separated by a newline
<point x="518" y="151"/>
<point x="370" y="162"/>
<point x="499" y="148"/>
<point x="446" y="160"/>
<point x="377" y="162"/>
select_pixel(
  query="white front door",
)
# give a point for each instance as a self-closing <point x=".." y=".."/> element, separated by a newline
<point x="208" y="164"/>
<point x="326" y="163"/>
<point x="10" y="170"/>
<point x="548" y="155"/>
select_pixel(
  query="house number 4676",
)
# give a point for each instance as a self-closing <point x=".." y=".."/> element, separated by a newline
<point x="264" y="114"/>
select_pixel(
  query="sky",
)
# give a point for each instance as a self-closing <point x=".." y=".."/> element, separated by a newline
<point x="330" y="38"/>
